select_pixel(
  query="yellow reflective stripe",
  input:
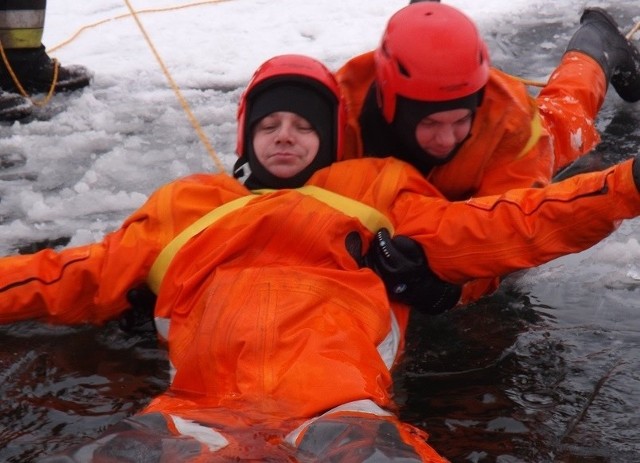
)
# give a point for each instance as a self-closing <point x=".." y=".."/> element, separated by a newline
<point x="370" y="217"/>
<point x="161" y="264"/>
<point x="21" y="38"/>
<point x="536" y="133"/>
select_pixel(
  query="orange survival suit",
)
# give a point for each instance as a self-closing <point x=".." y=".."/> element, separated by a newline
<point x="517" y="141"/>
<point x="269" y="315"/>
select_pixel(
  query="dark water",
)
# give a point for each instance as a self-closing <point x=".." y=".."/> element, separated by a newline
<point x="546" y="370"/>
<point x="61" y="386"/>
<point x="506" y="380"/>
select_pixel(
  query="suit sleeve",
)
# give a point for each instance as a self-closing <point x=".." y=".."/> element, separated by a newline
<point x="496" y="235"/>
<point x="85" y="284"/>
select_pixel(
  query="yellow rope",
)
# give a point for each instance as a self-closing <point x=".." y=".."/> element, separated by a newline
<point x="194" y="121"/>
<point x="128" y="15"/>
<point x="633" y="30"/>
<point x="176" y="89"/>
<point x="19" y="86"/>
<point x="531" y="83"/>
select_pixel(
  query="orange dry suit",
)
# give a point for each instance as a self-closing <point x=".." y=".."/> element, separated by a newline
<point x="267" y="316"/>
<point x="516" y="141"/>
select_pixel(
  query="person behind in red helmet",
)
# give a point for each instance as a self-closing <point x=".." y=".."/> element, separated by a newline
<point x="429" y="103"/>
<point x="275" y="303"/>
<point x="429" y="96"/>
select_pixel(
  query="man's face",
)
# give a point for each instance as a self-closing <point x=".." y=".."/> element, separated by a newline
<point x="285" y="143"/>
<point x="440" y="133"/>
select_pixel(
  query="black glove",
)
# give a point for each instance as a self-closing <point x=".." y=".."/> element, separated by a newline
<point x="402" y="265"/>
<point x="636" y="172"/>
<point x="139" y="318"/>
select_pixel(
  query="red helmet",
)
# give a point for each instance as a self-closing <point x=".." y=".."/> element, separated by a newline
<point x="299" y="68"/>
<point x="429" y="52"/>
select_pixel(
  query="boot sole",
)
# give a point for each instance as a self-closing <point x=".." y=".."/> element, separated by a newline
<point x="14" y="107"/>
<point x="628" y="91"/>
<point x="601" y="13"/>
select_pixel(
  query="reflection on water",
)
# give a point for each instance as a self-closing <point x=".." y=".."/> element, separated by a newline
<point x="61" y="386"/>
<point x="456" y="377"/>
<point x="506" y="380"/>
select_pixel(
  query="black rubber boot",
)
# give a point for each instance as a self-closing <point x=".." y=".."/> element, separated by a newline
<point x="35" y="70"/>
<point x="13" y="106"/>
<point x="600" y="38"/>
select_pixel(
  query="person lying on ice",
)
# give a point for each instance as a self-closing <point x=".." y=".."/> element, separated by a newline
<point x="280" y="335"/>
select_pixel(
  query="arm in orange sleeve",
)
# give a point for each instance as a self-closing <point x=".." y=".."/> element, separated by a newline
<point x="88" y="284"/>
<point x="496" y="235"/>
<point x="85" y="284"/>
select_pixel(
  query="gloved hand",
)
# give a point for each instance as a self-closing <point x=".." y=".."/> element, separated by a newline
<point x="139" y="317"/>
<point x="402" y="265"/>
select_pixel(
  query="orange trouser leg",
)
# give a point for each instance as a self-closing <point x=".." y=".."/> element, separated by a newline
<point x="569" y="104"/>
